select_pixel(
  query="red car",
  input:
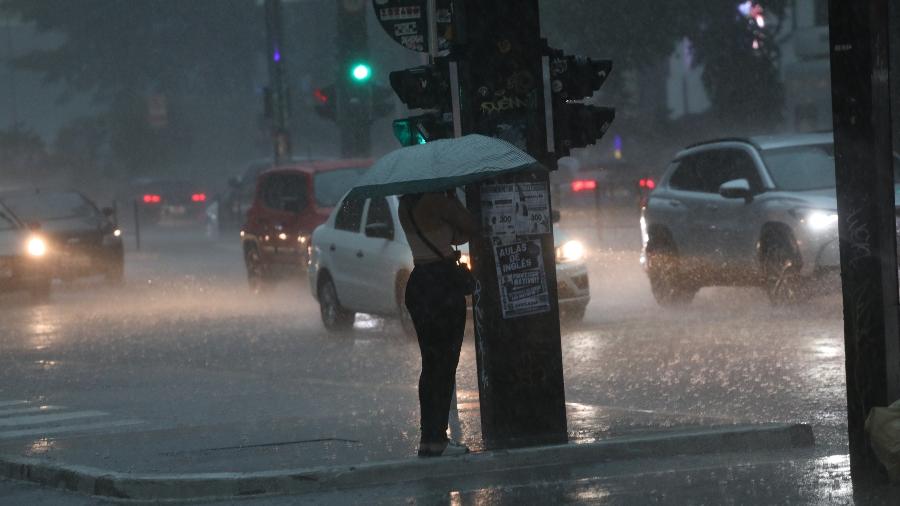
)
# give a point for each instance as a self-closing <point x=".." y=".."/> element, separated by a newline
<point x="290" y="201"/>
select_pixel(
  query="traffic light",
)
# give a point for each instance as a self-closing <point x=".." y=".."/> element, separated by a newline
<point x="572" y="78"/>
<point x="361" y="72"/>
<point x="326" y="102"/>
<point x="422" y="129"/>
<point x="425" y="87"/>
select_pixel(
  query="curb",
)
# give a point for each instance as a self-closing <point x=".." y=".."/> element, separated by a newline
<point x="175" y="487"/>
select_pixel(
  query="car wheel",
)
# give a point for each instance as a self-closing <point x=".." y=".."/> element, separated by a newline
<point x="668" y="284"/>
<point x="781" y="267"/>
<point x="334" y="316"/>
<point x="256" y="271"/>
<point x="405" y="318"/>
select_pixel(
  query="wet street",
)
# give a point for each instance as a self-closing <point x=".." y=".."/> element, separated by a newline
<point x="186" y="361"/>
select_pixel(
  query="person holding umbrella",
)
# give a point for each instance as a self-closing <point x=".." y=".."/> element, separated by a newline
<point x="434" y="220"/>
<point x="433" y="224"/>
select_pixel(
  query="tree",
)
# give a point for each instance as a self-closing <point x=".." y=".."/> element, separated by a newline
<point x="199" y="54"/>
<point x="741" y="81"/>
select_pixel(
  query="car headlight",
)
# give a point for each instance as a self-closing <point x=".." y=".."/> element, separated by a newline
<point x="36" y="246"/>
<point x="112" y="237"/>
<point x="817" y="220"/>
<point x="570" y="251"/>
<point x="465" y="259"/>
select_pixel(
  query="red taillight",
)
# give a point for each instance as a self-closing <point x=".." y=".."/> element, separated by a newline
<point x="152" y="199"/>
<point x="647" y="183"/>
<point x="581" y="185"/>
<point x="198" y="197"/>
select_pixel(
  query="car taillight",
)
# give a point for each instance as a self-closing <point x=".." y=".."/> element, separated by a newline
<point x="198" y="197"/>
<point x="152" y="199"/>
<point x="581" y="185"/>
<point x="647" y="183"/>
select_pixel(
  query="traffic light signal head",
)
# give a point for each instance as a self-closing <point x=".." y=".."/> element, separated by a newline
<point x="425" y="87"/>
<point x="421" y="129"/>
<point x="577" y="77"/>
<point x="360" y="72"/>
<point x="580" y="125"/>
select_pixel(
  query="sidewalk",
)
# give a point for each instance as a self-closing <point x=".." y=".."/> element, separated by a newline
<point x="310" y="455"/>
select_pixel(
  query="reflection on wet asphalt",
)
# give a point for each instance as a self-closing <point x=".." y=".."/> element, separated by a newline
<point x="184" y="344"/>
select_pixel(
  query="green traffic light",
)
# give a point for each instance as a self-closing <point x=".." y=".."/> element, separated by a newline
<point x="361" y="72"/>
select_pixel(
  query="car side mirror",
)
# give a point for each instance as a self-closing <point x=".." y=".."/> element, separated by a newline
<point x="736" y="189"/>
<point x="555" y="215"/>
<point x="380" y="231"/>
<point x="108" y="212"/>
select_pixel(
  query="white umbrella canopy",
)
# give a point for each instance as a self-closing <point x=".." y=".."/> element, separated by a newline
<point x="441" y="165"/>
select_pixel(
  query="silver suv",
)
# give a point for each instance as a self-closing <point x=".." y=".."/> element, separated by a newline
<point x="759" y="211"/>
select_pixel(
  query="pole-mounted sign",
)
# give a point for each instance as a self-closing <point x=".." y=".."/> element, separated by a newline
<point x="406" y="21"/>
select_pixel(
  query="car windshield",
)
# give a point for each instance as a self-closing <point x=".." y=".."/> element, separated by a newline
<point x="801" y="168"/>
<point x="50" y="206"/>
<point x="331" y="185"/>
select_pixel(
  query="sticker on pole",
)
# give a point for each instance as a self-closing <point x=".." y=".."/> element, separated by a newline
<point x="406" y="21"/>
<point x="522" y="280"/>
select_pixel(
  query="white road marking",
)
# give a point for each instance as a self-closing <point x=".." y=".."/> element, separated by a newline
<point x="12" y="403"/>
<point x="33" y="409"/>
<point x="86" y="427"/>
<point x="43" y="419"/>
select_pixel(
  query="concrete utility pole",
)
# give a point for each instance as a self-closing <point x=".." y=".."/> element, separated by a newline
<point x="278" y="104"/>
<point x="860" y="73"/>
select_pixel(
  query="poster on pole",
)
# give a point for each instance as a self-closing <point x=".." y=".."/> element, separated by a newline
<point x="516" y="219"/>
<point x="514" y="210"/>
<point x="522" y="280"/>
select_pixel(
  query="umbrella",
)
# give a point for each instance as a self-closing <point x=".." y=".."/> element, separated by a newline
<point x="441" y="165"/>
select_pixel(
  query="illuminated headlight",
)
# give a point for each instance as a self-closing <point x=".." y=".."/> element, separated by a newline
<point x="570" y="251"/>
<point x="282" y="236"/>
<point x="818" y="220"/>
<point x="301" y="239"/>
<point x="36" y="247"/>
<point x="112" y="237"/>
<point x="465" y="259"/>
<point x="117" y="233"/>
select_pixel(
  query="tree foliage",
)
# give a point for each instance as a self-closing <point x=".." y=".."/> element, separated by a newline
<point x="195" y="53"/>
<point x="742" y="82"/>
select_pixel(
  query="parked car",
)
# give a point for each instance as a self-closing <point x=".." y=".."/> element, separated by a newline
<point x="81" y="240"/>
<point x="290" y="201"/>
<point x="758" y="211"/>
<point x="169" y="201"/>
<point x="360" y="262"/>
<point x="24" y="262"/>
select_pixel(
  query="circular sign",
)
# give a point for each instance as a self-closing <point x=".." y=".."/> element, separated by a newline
<point x="406" y="21"/>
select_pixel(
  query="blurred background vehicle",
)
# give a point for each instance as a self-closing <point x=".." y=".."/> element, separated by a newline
<point x="290" y="201"/>
<point x="24" y="262"/>
<point x="360" y="262"/>
<point x="757" y="211"/>
<point x="81" y="240"/>
<point x="168" y="201"/>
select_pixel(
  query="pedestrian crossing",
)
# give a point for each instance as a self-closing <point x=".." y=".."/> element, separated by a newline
<point x="23" y="418"/>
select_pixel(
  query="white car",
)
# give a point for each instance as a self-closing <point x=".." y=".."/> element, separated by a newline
<point x="359" y="262"/>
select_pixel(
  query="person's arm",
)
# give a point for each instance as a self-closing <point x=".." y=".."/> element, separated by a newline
<point x="463" y="223"/>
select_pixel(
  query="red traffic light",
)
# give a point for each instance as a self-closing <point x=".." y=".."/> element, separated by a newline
<point x="320" y="96"/>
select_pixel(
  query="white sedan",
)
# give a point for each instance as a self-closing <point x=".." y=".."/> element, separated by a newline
<point x="359" y="262"/>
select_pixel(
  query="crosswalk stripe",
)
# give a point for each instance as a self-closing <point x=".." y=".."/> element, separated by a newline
<point x="34" y="409"/>
<point x="85" y="427"/>
<point x="12" y="403"/>
<point x="41" y="419"/>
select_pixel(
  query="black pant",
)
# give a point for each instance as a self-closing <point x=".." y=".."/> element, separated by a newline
<point x="438" y="310"/>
